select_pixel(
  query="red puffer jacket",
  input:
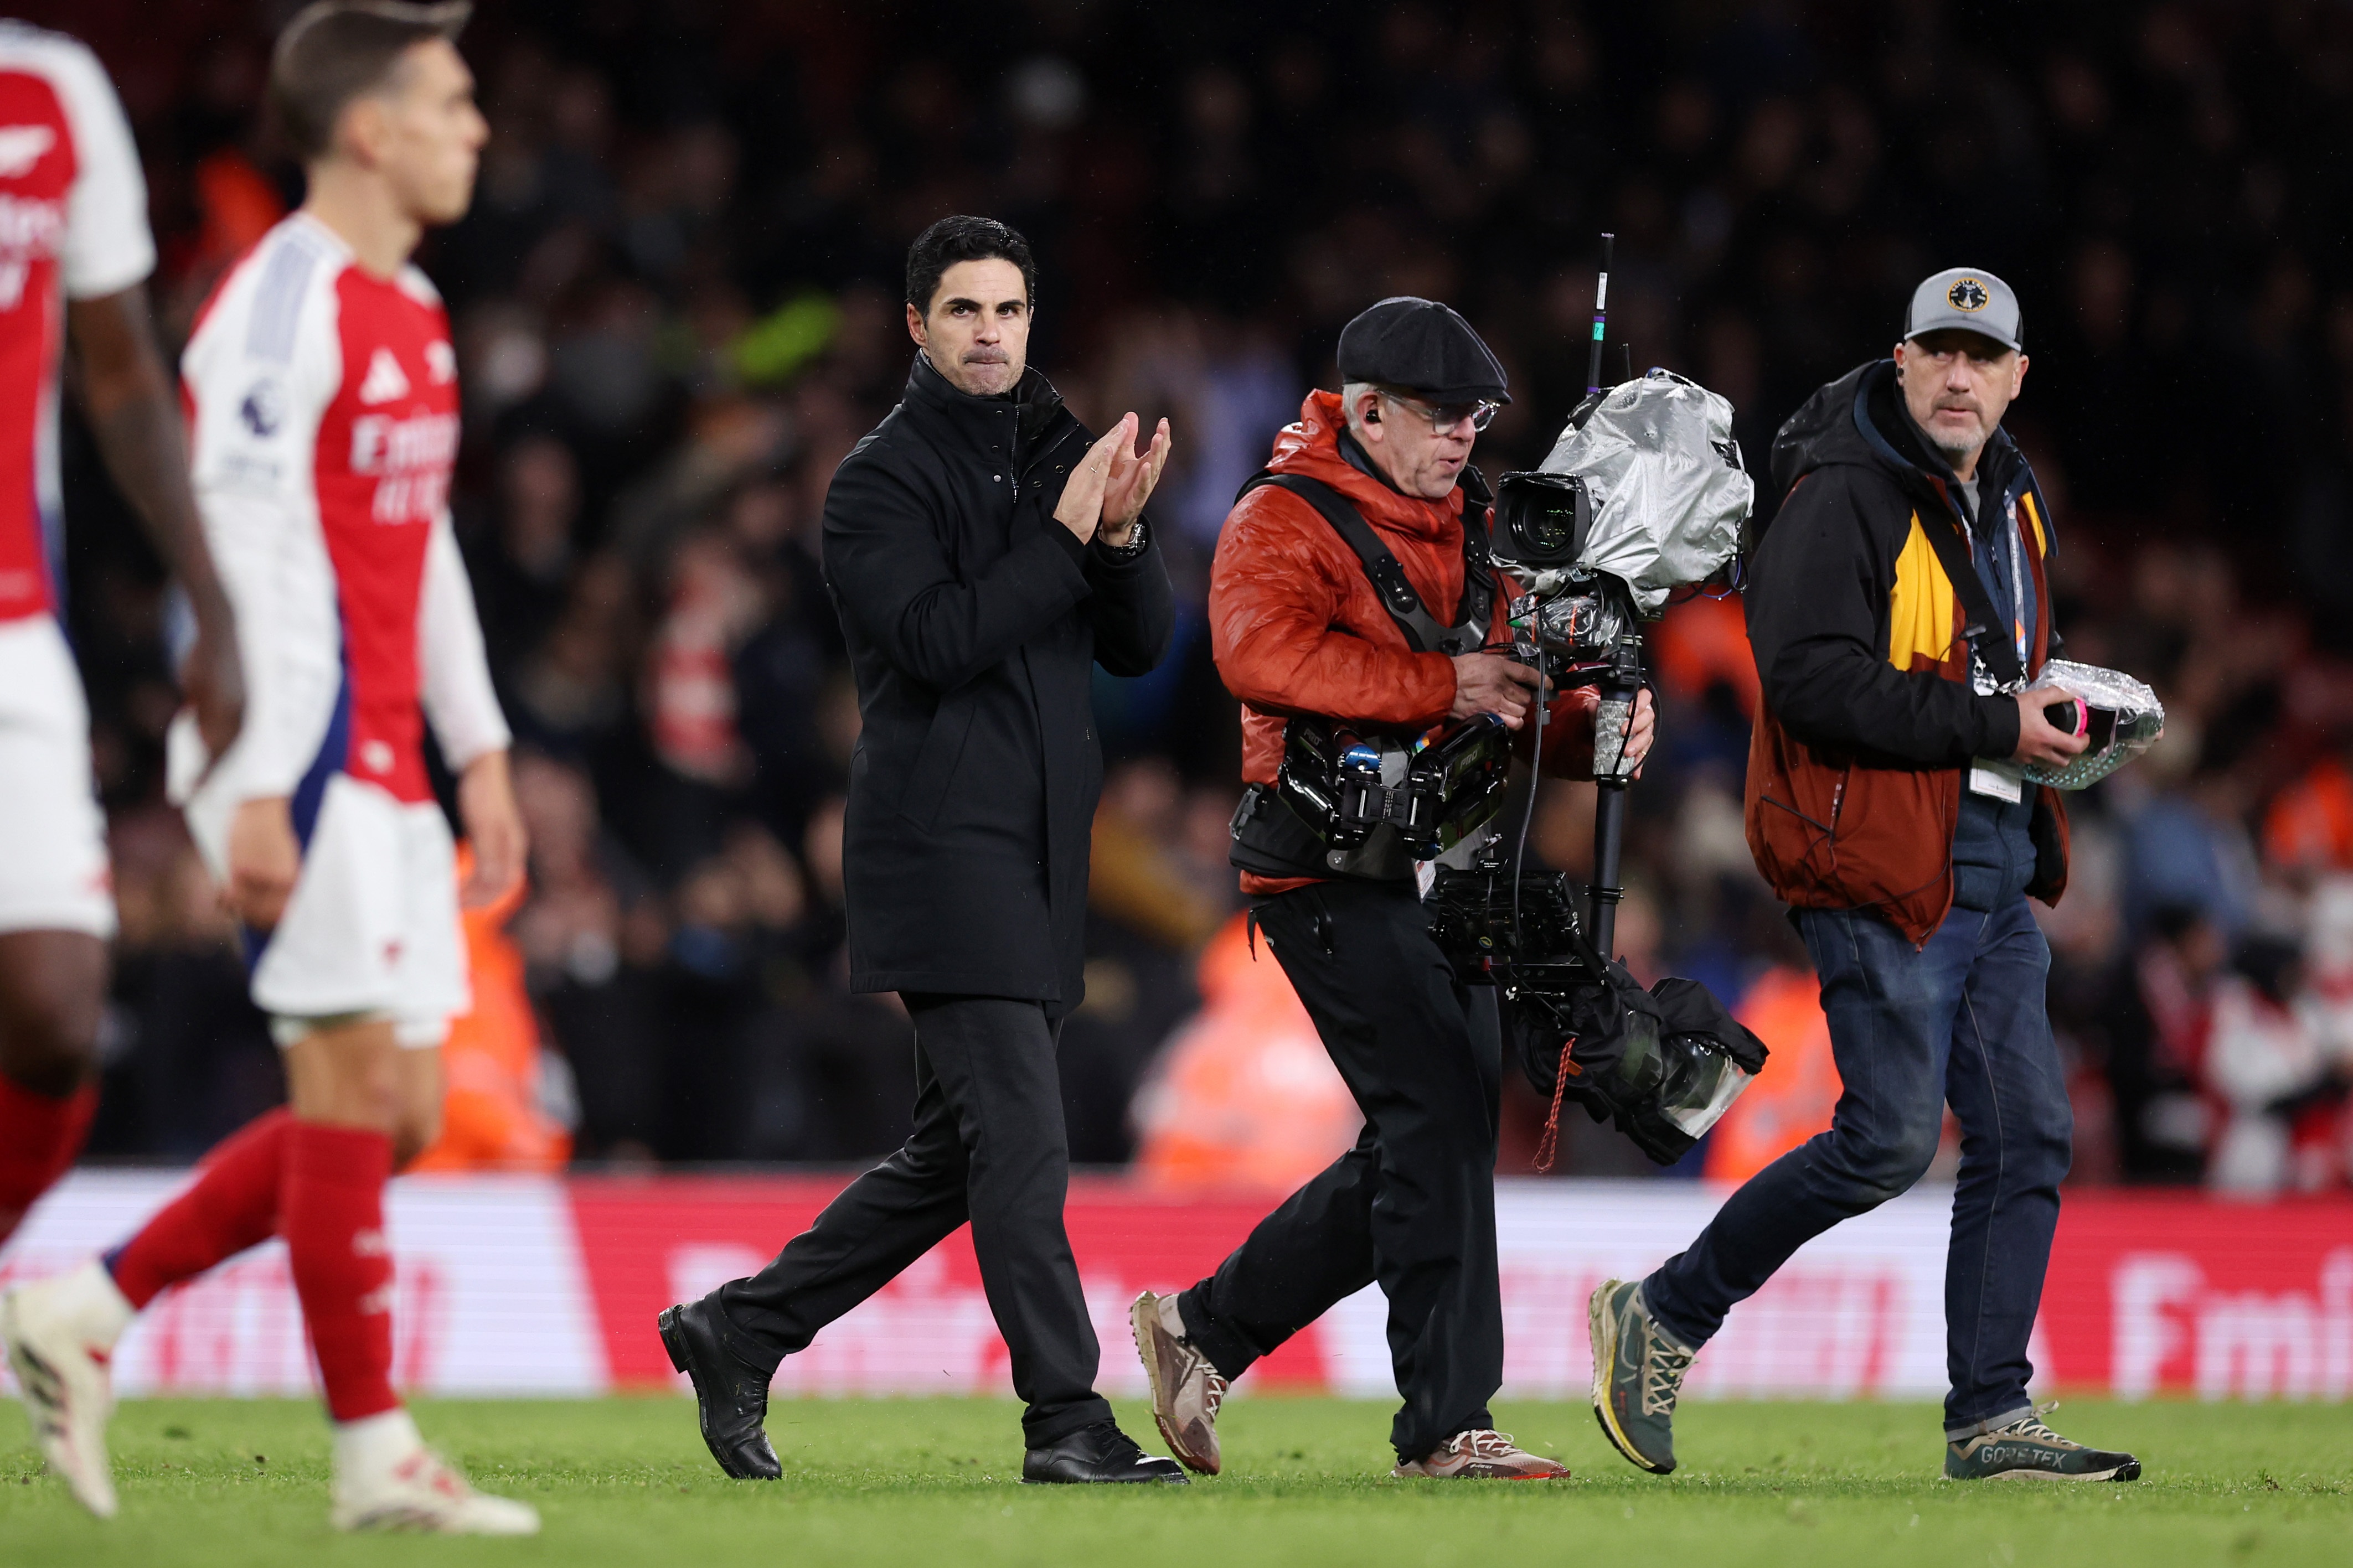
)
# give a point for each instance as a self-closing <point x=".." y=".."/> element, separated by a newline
<point x="1297" y="628"/>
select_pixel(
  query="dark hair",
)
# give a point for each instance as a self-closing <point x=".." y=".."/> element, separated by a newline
<point x="955" y="239"/>
<point x="337" y="50"/>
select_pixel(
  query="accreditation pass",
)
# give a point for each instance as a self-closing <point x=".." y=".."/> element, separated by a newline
<point x="1999" y="781"/>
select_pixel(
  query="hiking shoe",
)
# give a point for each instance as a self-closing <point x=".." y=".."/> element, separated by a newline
<point x="1186" y="1388"/>
<point x="1637" y="1371"/>
<point x="2026" y="1447"/>
<point x="58" y="1335"/>
<point x="1098" y="1453"/>
<point x="731" y="1399"/>
<point x="386" y="1478"/>
<point x="1483" y="1456"/>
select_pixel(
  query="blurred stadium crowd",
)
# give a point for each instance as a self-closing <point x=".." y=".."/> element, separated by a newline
<point x="677" y="306"/>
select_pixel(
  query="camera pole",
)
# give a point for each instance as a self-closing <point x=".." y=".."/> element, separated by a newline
<point x="1600" y="317"/>
<point x="1614" y="718"/>
<point x="1612" y="722"/>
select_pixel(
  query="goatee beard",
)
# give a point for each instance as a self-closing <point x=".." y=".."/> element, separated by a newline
<point x="1954" y="452"/>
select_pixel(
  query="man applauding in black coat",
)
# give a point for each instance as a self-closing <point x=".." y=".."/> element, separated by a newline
<point x="984" y="551"/>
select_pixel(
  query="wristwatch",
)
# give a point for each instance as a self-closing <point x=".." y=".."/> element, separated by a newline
<point x="1139" y="539"/>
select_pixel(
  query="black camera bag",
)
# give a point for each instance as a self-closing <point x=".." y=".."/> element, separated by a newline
<point x="1610" y="1047"/>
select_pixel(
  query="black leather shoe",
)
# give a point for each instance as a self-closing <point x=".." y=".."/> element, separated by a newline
<point x="1098" y="1453"/>
<point x="730" y="1398"/>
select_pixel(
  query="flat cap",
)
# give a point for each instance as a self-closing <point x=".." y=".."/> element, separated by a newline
<point x="1969" y="298"/>
<point x="1421" y="346"/>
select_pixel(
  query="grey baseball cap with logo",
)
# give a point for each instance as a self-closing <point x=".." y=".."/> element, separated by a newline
<point x="1970" y="298"/>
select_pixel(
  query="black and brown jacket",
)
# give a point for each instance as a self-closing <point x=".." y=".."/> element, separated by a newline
<point x="1869" y="721"/>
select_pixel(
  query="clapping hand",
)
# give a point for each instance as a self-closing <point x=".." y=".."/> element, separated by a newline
<point x="1133" y="476"/>
<point x="1112" y="482"/>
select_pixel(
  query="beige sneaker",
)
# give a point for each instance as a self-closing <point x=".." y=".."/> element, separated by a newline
<point x="59" y="1335"/>
<point x="1186" y="1388"/>
<point x="1483" y="1456"/>
<point x="386" y="1478"/>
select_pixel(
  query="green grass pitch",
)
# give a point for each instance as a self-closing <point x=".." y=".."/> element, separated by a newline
<point x="931" y="1483"/>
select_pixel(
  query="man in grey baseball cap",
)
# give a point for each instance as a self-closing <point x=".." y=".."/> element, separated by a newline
<point x="1969" y="299"/>
<point x="1897" y="607"/>
<point x="1959" y="367"/>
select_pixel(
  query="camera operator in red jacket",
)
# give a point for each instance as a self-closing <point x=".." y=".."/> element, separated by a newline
<point x="1301" y="635"/>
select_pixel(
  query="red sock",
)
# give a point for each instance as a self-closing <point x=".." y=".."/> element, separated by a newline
<point x="232" y="1206"/>
<point x="39" y="1137"/>
<point x="330" y="1211"/>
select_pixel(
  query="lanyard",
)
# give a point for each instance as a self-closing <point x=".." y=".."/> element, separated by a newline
<point x="1988" y="590"/>
<point x="2017" y="578"/>
<point x="2017" y="589"/>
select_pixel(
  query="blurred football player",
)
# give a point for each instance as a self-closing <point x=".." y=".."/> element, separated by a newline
<point x="322" y="392"/>
<point x="74" y="255"/>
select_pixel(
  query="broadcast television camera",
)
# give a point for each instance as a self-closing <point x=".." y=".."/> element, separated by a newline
<point x="1661" y="1066"/>
<point x="1642" y="494"/>
<point x="1574" y="619"/>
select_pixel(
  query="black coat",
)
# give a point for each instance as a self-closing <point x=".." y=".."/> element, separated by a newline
<point x="972" y="619"/>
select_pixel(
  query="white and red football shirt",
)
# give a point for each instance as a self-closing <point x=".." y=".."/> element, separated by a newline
<point x="322" y="401"/>
<point x="73" y="225"/>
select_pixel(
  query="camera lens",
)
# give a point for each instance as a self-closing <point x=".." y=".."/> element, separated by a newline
<point x="1548" y="528"/>
<point x="1536" y="519"/>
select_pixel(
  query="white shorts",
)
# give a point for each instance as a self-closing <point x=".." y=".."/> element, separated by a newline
<point x="373" y="926"/>
<point x="53" y="874"/>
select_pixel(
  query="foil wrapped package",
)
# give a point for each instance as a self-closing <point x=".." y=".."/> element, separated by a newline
<point x="2125" y="719"/>
<point x="1668" y="491"/>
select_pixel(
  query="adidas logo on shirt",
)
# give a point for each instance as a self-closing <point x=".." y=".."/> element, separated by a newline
<point x="384" y="381"/>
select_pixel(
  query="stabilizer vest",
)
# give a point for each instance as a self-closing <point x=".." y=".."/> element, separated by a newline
<point x="1270" y="837"/>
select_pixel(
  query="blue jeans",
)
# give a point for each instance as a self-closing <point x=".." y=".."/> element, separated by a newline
<point x="1960" y="1021"/>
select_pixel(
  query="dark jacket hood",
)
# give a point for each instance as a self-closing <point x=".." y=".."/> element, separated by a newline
<point x="1857" y="421"/>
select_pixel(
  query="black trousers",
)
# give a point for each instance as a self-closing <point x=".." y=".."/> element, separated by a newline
<point x="989" y="1147"/>
<point x="1413" y="1204"/>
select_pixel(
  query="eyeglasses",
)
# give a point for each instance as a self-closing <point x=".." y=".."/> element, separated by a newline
<point x="1445" y="418"/>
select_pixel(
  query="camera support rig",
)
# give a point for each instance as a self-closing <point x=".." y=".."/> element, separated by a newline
<point x="1588" y="634"/>
<point x="1627" y="509"/>
<point x="1621" y="685"/>
<point x="1576" y="628"/>
<point x="1580" y="627"/>
<point x="1613" y="722"/>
